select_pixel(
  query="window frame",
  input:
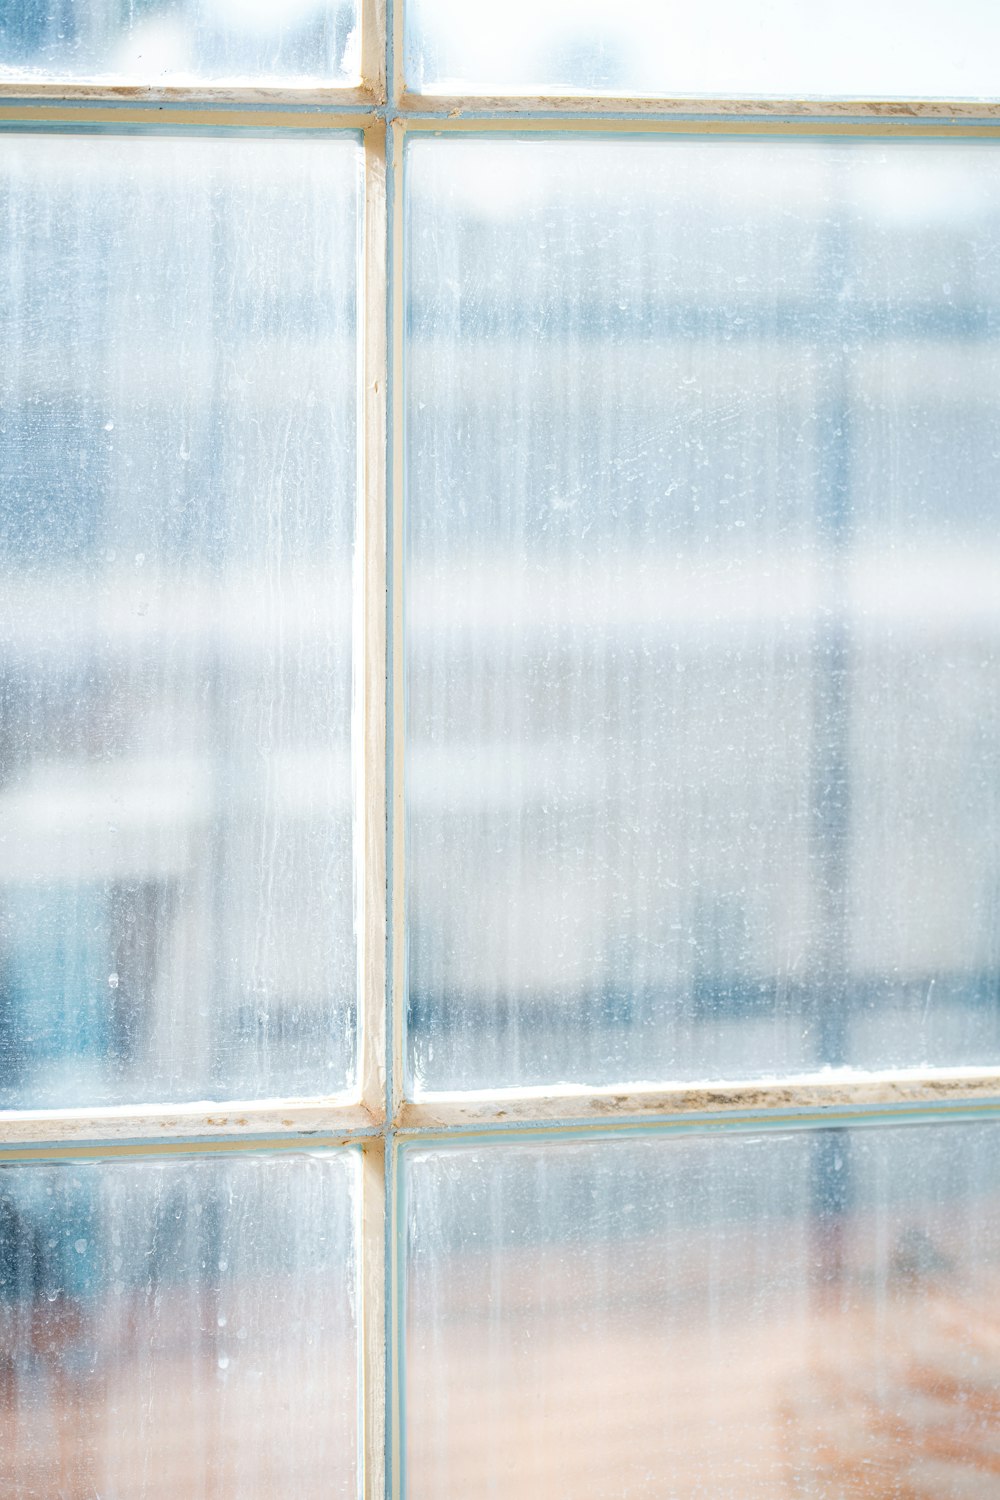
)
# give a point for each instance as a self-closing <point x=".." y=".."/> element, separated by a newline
<point x="380" y="1120"/>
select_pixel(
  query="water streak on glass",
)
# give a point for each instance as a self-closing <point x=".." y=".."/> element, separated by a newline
<point x="703" y="608"/>
<point x="178" y="42"/>
<point x="178" y="462"/>
<point x="789" y="49"/>
<point x="179" y="1328"/>
<point x="772" y="1317"/>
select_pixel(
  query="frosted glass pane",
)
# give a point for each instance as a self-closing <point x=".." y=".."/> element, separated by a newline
<point x="177" y="42"/>
<point x="806" y="1315"/>
<point x="179" y="1328"/>
<point x="177" y="498"/>
<point x="783" y="48"/>
<point x="703" y="608"/>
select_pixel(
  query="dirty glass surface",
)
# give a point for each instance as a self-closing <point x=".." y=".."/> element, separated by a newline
<point x="177" y="42"/>
<point x="178" y="463"/>
<point x="702" y="610"/>
<point x="798" y="1314"/>
<point x="179" y="1328"/>
<point x="779" y="48"/>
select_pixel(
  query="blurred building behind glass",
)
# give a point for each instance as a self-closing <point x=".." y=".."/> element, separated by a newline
<point x="702" y="608"/>
<point x="177" y="496"/>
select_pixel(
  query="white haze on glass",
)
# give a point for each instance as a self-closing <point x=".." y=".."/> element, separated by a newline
<point x="185" y="1327"/>
<point x="178" y="459"/>
<point x="702" y="607"/>
<point x="181" y="42"/>
<point x="799" y="1314"/>
<point x="786" y="49"/>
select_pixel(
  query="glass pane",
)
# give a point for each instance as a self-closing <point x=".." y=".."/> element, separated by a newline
<point x="177" y="42"/>
<point x="178" y="463"/>
<point x="704" y="626"/>
<point x="179" y="1328"/>
<point x="803" y="1315"/>
<point x="779" y="48"/>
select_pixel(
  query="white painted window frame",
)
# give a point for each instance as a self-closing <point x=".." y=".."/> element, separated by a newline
<point x="379" y="1119"/>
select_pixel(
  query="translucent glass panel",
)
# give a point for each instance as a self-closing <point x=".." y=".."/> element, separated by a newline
<point x="178" y="42"/>
<point x="178" y="460"/>
<point x="702" y="607"/>
<point x="782" y="48"/>
<point x="179" y="1327"/>
<point x="804" y="1315"/>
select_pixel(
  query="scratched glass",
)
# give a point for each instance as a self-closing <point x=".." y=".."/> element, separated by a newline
<point x="807" y="1314"/>
<point x="179" y="1327"/>
<point x="178" y="467"/>
<point x="871" y="49"/>
<point x="702" y="609"/>
<point x="180" y="42"/>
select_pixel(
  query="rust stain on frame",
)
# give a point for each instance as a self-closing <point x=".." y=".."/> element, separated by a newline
<point x="678" y="1101"/>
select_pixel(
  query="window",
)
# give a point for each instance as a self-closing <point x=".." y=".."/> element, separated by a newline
<point x="499" y="751"/>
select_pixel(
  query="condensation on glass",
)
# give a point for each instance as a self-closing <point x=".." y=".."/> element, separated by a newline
<point x="798" y="1314"/>
<point x="782" y="48"/>
<point x="180" y="42"/>
<point x="180" y="1328"/>
<point x="702" y="608"/>
<point x="178" y="474"/>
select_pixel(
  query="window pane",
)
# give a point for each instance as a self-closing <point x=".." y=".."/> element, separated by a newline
<point x="180" y="1328"/>
<point x="178" y="464"/>
<point x="743" y="1317"/>
<point x="176" y="42"/>
<point x="781" y="48"/>
<point x="704" y="627"/>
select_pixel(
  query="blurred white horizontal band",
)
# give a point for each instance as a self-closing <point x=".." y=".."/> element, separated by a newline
<point x="647" y="1101"/>
<point x="708" y="598"/>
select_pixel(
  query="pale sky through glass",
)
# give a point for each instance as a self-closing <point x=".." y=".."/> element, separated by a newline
<point x="774" y="47"/>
